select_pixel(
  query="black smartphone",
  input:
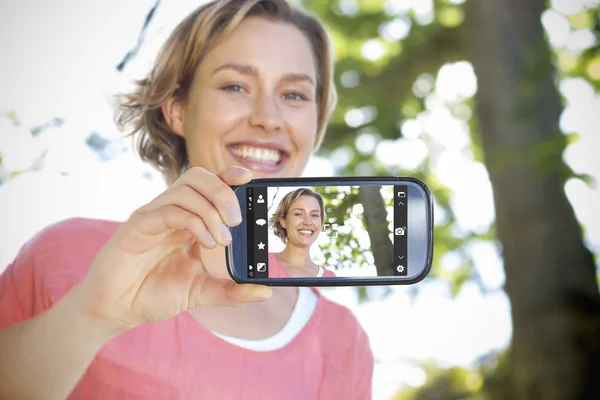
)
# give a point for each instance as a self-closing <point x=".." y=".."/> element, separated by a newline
<point x="339" y="231"/>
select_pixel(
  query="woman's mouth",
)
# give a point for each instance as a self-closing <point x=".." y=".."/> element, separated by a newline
<point x="259" y="158"/>
<point x="306" y="232"/>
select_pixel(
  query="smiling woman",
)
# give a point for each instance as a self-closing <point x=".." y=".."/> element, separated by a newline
<point x="298" y="221"/>
<point x="241" y="89"/>
<point x="273" y="74"/>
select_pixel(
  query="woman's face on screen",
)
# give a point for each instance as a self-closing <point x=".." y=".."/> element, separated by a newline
<point x="303" y="221"/>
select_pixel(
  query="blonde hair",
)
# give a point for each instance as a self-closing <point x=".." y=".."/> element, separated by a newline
<point x="284" y="207"/>
<point x="139" y="112"/>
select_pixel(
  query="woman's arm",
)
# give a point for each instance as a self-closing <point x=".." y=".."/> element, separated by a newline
<point x="43" y="357"/>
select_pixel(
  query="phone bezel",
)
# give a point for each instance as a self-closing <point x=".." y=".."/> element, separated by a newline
<point x="239" y="234"/>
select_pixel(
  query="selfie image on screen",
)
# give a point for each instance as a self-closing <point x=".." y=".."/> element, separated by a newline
<point x="328" y="231"/>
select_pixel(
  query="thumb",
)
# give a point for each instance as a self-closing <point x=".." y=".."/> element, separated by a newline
<point x="234" y="176"/>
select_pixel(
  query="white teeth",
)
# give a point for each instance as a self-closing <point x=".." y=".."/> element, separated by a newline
<point x="268" y="156"/>
<point x="305" y="232"/>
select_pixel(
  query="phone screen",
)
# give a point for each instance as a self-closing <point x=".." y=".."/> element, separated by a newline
<point x="336" y="231"/>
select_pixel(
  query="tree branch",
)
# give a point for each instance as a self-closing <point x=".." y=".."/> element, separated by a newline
<point x="133" y="52"/>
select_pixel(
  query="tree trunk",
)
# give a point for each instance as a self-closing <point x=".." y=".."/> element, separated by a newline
<point x="550" y="274"/>
<point x="377" y="227"/>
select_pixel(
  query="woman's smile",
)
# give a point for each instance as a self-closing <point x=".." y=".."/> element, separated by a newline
<point x="265" y="156"/>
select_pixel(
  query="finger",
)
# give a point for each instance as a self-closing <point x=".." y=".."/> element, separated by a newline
<point x="222" y="292"/>
<point x="234" y="176"/>
<point x="246" y="292"/>
<point x="170" y="217"/>
<point x="186" y="197"/>
<point x="217" y="191"/>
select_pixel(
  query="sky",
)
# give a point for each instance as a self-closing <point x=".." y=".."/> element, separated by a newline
<point x="59" y="60"/>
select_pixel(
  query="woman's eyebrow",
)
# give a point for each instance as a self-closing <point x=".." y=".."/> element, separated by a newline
<point x="241" y="68"/>
<point x="251" y="70"/>
<point x="292" y="77"/>
<point x="301" y="209"/>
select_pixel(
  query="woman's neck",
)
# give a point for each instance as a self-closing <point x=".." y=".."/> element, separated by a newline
<point x="296" y="255"/>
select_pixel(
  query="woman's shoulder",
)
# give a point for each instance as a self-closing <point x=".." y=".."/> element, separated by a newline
<point x="67" y="247"/>
<point x="49" y="264"/>
<point x="72" y="235"/>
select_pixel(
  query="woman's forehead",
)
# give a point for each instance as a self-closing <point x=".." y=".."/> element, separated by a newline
<point x="305" y="201"/>
<point x="267" y="47"/>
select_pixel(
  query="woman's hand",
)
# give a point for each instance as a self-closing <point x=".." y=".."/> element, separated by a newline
<point x="152" y="269"/>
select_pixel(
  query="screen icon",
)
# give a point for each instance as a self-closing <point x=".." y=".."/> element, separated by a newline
<point x="261" y="246"/>
<point x="261" y="267"/>
<point x="260" y="222"/>
<point x="400" y="268"/>
<point x="260" y="199"/>
<point x="402" y="194"/>
<point x="400" y="231"/>
<point x="250" y="267"/>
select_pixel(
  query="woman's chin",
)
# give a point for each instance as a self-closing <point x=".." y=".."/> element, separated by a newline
<point x="308" y="241"/>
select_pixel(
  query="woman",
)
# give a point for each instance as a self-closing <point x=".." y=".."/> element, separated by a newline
<point x="298" y="221"/>
<point x="145" y="309"/>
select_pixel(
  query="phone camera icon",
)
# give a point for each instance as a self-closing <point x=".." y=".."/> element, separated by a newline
<point x="400" y="231"/>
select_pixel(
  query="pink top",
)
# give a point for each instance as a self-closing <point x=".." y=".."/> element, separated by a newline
<point x="277" y="271"/>
<point x="329" y="358"/>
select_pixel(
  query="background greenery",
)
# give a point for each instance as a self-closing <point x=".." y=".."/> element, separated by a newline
<point x="503" y="41"/>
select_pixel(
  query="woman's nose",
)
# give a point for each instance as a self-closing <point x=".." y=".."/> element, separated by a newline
<point x="266" y="114"/>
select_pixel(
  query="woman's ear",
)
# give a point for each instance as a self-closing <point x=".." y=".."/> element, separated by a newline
<point x="282" y="223"/>
<point x="173" y="111"/>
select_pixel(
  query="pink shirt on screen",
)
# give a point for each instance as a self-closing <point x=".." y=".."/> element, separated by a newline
<point x="329" y="358"/>
<point x="277" y="271"/>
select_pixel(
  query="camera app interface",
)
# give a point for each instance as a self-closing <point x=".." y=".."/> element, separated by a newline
<point x="327" y="231"/>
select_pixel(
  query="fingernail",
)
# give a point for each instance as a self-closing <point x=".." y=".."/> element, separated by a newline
<point x="210" y="238"/>
<point x="232" y="211"/>
<point x="225" y="234"/>
<point x="264" y="296"/>
<point x="240" y="171"/>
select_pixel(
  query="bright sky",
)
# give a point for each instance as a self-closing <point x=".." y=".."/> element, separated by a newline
<point x="58" y="60"/>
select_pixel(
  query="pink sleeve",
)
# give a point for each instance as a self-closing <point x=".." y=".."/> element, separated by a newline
<point x="19" y="295"/>
<point x="41" y="273"/>
<point x="364" y="384"/>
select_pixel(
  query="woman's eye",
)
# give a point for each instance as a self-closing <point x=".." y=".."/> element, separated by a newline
<point x="233" y="88"/>
<point x="295" y="96"/>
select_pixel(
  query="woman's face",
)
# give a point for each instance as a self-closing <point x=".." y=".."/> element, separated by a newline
<point x="303" y="221"/>
<point x="253" y="102"/>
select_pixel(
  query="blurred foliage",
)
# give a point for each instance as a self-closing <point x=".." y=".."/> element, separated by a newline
<point x="342" y="248"/>
<point x="344" y="225"/>
<point x="489" y="380"/>
<point x="378" y="95"/>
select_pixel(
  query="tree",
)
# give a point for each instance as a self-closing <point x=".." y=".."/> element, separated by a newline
<point x="550" y="274"/>
<point x="344" y="246"/>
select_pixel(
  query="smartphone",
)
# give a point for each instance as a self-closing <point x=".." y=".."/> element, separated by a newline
<point x="339" y="231"/>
